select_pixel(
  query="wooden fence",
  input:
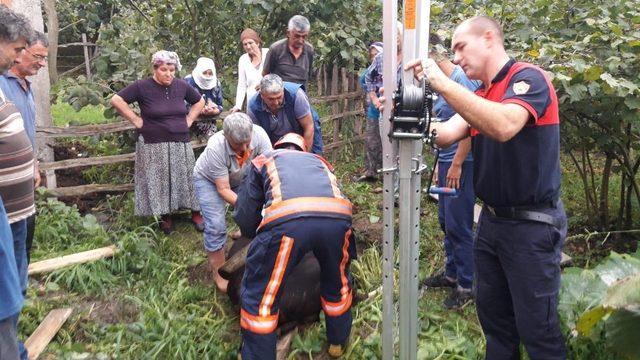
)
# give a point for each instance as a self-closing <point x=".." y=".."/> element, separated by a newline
<point x="345" y="96"/>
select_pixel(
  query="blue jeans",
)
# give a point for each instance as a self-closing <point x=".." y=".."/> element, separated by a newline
<point x="19" y="232"/>
<point x="213" y="209"/>
<point x="456" y="220"/>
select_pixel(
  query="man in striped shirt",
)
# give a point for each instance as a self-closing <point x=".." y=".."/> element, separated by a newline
<point x="16" y="190"/>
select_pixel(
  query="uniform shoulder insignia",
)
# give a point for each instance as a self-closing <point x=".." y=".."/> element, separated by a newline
<point x="521" y="87"/>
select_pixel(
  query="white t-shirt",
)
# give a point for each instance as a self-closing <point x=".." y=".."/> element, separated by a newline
<point x="249" y="77"/>
<point x="218" y="160"/>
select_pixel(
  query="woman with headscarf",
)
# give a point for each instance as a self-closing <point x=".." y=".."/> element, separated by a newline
<point x="249" y="67"/>
<point x="164" y="156"/>
<point x="204" y="79"/>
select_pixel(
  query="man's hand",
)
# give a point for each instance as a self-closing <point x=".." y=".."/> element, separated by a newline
<point x="37" y="179"/>
<point x="435" y="76"/>
<point x="453" y="176"/>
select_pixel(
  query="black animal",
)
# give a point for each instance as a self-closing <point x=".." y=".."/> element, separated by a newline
<point x="300" y="300"/>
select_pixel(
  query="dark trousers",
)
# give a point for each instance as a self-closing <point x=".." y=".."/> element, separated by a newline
<point x="31" y="229"/>
<point x="271" y="257"/>
<point x="517" y="281"/>
<point x="456" y="220"/>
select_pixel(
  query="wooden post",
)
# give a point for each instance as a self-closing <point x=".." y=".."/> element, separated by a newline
<point x="345" y="90"/>
<point x="87" y="59"/>
<point x="319" y="80"/>
<point x="335" y="108"/>
<point x="325" y="80"/>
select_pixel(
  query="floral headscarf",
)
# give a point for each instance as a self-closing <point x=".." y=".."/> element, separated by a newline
<point x="166" y="57"/>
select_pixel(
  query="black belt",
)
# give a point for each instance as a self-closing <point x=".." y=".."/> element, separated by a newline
<point x="530" y="213"/>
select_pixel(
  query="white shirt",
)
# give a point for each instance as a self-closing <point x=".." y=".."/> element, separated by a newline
<point x="249" y="77"/>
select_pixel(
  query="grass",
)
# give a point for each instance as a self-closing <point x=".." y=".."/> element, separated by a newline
<point x="63" y="114"/>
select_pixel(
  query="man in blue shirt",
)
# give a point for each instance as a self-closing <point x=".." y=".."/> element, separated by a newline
<point x="282" y="107"/>
<point x="455" y="170"/>
<point x="17" y="88"/>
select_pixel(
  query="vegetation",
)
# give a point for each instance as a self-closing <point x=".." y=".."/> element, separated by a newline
<point x="153" y="300"/>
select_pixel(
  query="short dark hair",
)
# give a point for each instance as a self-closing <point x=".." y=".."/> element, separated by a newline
<point x="13" y="26"/>
<point x="38" y="37"/>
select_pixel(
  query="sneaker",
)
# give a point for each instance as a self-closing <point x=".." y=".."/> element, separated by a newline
<point x="335" y="351"/>
<point x="458" y="299"/>
<point x="166" y="224"/>
<point x="197" y="220"/>
<point x="439" y="280"/>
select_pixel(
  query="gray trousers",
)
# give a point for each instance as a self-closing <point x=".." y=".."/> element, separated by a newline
<point x="8" y="340"/>
<point x="373" y="147"/>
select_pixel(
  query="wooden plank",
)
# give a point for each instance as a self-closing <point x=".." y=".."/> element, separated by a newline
<point x="477" y="209"/>
<point x="90" y="189"/>
<point x="338" y="97"/>
<point x="342" y="115"/>
<point x="284" y="344"/>
<point x="337" y="144"/>
<point x="73" y="259"/>
<point x="101" y="160"/>
<point x="46" y="331"/>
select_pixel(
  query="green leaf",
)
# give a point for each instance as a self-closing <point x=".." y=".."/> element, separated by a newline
<point x="623" y="328"/>
<point x="593" y="73"/>
<point x="351" y="41"/>
<point x="632" y="102"/>
<point x="374" y="219"/>
<point x="589" y="319"/>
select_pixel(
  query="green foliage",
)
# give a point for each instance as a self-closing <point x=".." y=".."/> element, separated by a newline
<point x="62" y="227"/>
<point x="601" y="306"/>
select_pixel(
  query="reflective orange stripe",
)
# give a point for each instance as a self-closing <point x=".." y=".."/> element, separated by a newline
<point x="305" y="204"/>
<point x="332" y="180"/>
<point x="343" y="263"/>
<point x="279" y="268"/>
<point x="272" y="172"/>
<point x="258" y="324"/>
<point x="339" y="308"/>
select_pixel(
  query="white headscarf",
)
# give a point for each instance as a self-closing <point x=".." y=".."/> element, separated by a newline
<point x="203" y="81"/>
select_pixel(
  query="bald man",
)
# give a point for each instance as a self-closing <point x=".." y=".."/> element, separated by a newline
<point x="514" y="125"/>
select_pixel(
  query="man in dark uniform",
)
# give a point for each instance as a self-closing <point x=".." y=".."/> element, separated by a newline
<point x="292" y="199"/>
<point x="514" y="124"/>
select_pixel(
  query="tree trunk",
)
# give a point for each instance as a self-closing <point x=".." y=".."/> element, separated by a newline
<point x="40" y="83"/>
<point x="52" y="33"/>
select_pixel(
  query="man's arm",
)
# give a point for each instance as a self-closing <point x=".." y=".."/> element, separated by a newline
<point x="306" y="122"/>
<point x="224" y="189"/>
<point x="249" y="203"/>
<point x="455" y="170"/>
<point x="498" y="121"/>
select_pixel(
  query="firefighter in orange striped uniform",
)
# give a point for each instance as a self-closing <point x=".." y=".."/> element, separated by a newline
<point x="292" y="200"/>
